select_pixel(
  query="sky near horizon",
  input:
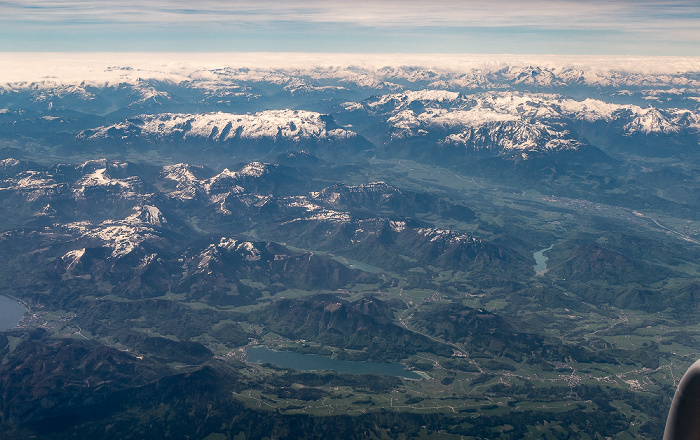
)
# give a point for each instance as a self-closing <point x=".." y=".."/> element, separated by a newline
<point x="574" y="27"/>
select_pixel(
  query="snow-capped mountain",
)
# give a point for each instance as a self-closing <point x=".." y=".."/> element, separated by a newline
<point x="519" y="111"/>
<point x="451" y="109"/>
<point x="94" y="179"/>
<point x="110" y="216"/>
<point x="294" y="125"/>
<point x="508" y="123"/>
<point x="159" y="220"/>
<point x="262" y="133"/>
<point x="182" y="183"/>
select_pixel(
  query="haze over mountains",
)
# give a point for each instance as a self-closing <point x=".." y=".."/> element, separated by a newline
<point x="157" y="221"/>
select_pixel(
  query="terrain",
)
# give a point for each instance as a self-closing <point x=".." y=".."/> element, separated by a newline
<point x="156" y="229"/>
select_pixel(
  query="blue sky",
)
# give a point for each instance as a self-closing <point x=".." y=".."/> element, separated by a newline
<point x="614" y="27"/>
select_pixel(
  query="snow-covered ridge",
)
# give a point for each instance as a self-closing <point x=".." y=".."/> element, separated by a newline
<point x="96" y="179"/>
<point x="525" y="116"/>
<point x="407" y="120"/>
<point x="514" y="135"/>
<point x="245" y="248"/>
<point x="341" y="196"/>
<point x="653" y="121"/>
<point x="634" y="118"/>
<point x="34" y="185"/>
<point x="402" y="100"/>
<point x="502" y="121"/>
<point x="187" y="185"/>
<point x="216" y="188"/>
<point x="222" y="127"/>
<point x="304" y="209"/>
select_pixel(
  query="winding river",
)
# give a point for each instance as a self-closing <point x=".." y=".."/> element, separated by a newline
<point x="315" y="362"/>
<point x="11" y="312"/>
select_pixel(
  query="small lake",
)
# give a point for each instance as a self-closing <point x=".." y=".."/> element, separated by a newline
<point x="11" y="312"/>
<point x="541" y="261"/>
<point x="315" y="362"/>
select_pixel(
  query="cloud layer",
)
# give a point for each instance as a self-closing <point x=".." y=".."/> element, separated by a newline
<point x="110" y="68"/>
<point x="559" y="14"/>
<point x="621" y="22"/>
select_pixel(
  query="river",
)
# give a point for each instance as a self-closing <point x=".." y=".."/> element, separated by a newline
<point x="315" y="362"/>
<point x="11" y="312"/>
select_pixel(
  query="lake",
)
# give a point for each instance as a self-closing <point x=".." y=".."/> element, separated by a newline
<point x="315" y="362"/>
<point x="11" y="312"/>
<point x="541" y="261"/>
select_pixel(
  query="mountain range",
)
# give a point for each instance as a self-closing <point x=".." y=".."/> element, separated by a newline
<point x="522" y="238"/>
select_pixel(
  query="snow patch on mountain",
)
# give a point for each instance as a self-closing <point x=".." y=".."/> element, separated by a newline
<point x="407" y="123"/>
<point x="245" y="249"/>
<point x="146" y="214"/>
<point x="72" y="258"/>
<point x="400" y="101"/>
<point x="530" y="75"/>
<point x="35" y="184"/>
<point x="253" y="169"/>
<point x="62" y="91"/>
<point x="121" y="236"/>
<point x="329" y="215"/>
<point x="369" y="81"/>
<point x="397" y="226"/>
<point x="514" y="135"/>
<point x="592" y="110"/>
<point x="47" y="210"/>
<point x="217" y="188"/>
<point x="651" y="121"/>
<point x="9" y="163"/>
<point x="446" y="235"/>
<point x="187" y="185"/>
<point x="304" y="209"/>
<point x="146" y="261"/>
<point x="128" y="188"/>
